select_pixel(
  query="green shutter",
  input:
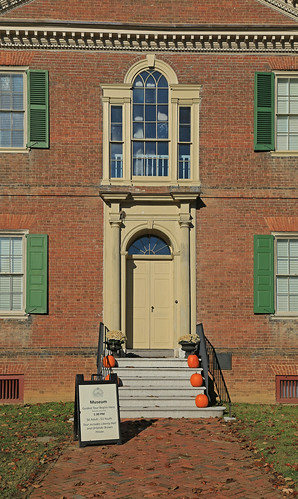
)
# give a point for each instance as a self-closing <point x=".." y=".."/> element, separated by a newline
<point x="263" y="274"/>
<point x="264" y="112"/>
<point x="37" y="274"/>
<point x="38" y="109"/>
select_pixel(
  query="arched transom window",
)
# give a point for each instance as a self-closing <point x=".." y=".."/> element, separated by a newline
<point x="149" y="245"/>
<point x="150" y="148"/>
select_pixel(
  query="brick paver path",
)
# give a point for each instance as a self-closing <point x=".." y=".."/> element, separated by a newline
<point x="176" y="458"/>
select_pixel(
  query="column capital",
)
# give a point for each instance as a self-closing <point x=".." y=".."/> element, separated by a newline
<point x="184" y="220"/>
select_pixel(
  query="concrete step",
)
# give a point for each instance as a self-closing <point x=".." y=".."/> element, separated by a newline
<point x="145" y="412"/>
<point x="159" y="372"/>
<point x="155" y="392"/>
<point x="153" y="402"/>
<point x="138" y="362"/>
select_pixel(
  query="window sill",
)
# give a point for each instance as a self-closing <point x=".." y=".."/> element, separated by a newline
<point x="283" y="317"/>
<point x="151" y="181"/>
<point x="14" y="150"/>
<point x="11" y="315"/>
<point x="283" y="154"/>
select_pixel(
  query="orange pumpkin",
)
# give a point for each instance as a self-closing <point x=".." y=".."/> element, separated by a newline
<point x="202" y="400"/>
<point x="196" y="379"/>
<point x="109" y="361"/>
<point x="193" y="361"/>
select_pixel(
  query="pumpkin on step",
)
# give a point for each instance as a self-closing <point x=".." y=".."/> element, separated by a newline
<point x="193" y="361"/>
<point x="109" y="361"/>
<point x="196" y="379"/>
<point x="202" y="400"/>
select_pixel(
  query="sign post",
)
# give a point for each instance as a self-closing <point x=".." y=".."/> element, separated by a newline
<point x="97" y="418"/>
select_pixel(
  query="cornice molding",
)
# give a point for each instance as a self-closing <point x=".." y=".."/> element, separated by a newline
<point x="93" y="37"/>
<point x="288" y="7"/>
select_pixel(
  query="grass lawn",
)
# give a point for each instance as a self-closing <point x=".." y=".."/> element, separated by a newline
<point x="24" y="452"/>
<point x="32" y="436"/>
<point x="271" y="433"/>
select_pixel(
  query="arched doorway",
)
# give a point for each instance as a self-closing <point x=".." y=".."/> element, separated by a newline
<point x="149" y="293"/>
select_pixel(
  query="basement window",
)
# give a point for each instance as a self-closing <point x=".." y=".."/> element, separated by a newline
<point x="11" y="388"/>
<point x="287" y="389"/>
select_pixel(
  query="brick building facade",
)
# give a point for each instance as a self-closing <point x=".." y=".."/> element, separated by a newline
<point x="130" y="124"/>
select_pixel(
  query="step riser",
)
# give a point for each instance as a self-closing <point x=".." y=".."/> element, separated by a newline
<point x="158" y="404"/>
<point x="160" y="373"/>
<point x="151" y="363"/>
<point x="159" y="392"/>
<point x="172" y="413"/>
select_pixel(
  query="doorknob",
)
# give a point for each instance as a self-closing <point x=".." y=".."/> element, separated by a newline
<point x="152" y="308"/>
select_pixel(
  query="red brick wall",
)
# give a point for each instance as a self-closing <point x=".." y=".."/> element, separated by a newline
<point x="56" y="191"/>
<point x="153" y="12"/>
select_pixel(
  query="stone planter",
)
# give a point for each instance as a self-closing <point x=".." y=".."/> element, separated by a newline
<point x="187" y="347"/>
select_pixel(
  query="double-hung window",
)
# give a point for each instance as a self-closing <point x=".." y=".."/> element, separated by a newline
<point x="23" y="273"/>
<point x="276" y="274"/>
<point x="150" y="128"/>
<point x="276" y="112"/>
<point x="24" y="113"/>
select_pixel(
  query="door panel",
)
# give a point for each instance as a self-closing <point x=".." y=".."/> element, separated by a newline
<point x="149" y="304"/>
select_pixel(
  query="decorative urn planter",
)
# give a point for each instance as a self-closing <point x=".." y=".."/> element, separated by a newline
<point x="187" y="346"/>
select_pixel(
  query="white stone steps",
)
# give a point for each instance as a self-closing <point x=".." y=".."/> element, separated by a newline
<point x="159" y="387"/>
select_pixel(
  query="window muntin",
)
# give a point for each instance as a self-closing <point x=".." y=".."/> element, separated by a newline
<point x="11" y="273"/>
<point x="150" y="125"/>
<point x="149" y="245"/>
<point x="12" y="110"/>
<point x="116" y="142"/>
<point x="287" y="114"/>
<point x="287" y="275"/>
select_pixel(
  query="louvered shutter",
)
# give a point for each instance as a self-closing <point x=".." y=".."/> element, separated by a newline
<point x="264" y="274"/>
<point x="264" y="112"/>
<point x="37" y="274"/>
<point x="38" y="109"/>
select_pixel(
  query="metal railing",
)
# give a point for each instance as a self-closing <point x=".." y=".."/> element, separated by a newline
<point x="214" y="380"/>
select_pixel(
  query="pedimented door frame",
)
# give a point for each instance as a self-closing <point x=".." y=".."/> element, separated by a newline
<point x="172" y="217"/>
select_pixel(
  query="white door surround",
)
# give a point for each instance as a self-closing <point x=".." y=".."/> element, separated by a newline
<point x="172" y="217"/>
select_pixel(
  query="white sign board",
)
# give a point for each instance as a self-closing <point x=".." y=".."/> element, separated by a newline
<point x="98" y="413"/>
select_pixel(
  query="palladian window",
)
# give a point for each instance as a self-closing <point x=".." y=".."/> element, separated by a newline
<point x="151" y="128"/>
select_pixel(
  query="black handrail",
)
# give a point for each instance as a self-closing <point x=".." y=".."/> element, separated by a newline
<point x="212" y="369"/>
<point x="100" y="348"/>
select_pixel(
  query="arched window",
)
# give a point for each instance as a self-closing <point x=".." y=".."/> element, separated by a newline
<point x="150" y="127"/>
<point x="150" y="148"/>
<point x="149" y="245"/>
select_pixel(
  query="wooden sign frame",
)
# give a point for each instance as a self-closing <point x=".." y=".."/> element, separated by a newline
<point x="97" y="415"/>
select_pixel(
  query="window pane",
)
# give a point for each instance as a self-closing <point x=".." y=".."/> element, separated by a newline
<point x="162" y="130"/>
<point x="293" y="143"/>
<point x="184" y="114"/>
<point x="138" y="130"/>
<point x="163" y="148"/>
<point x="17" y="101"/>
<point x="150" y="112"/>
<point x="5" y="121"/>
<point x="116" y="161"/>
<point x="4" y="264"/>
<point x="282" y="124"/>
<point x="116" y="114"/>
<point x="17" y="138"/>
<point x="184" y="133"/>
<point x="162" y="113"/>
<point x="150" y="130"/>
<point x="17" y="83"/>
<point x="138" y="95"/>
<point x="282" y="285"/>
<point x="4" y="82"/>
<point x="116" y="132"/>
<point x="150" y="148"/>
<point x="282" y="303"/>
<point x="138" y="112"/>
<point x="282" y="248"/>
<point x="162" y="95"/>
<point x="162" y="82"/>
<point x="150" y="82"/>
<point x="294" y="105"/>
<point x="5" y="101"/>
<point x="17" y="121"/>
<point x="282" y="87"/>
<point x="293" y="285"/>
<point x="293" y="303"/>
<point x="184" y="161"/>
<point x="4" y="246"/>
<point x="150" y="96"/>
<point x="294" y="87"/>
<point x="4" y="292"/>
<point x="5" y="138"/>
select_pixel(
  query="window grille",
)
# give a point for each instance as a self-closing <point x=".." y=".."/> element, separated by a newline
<point x="11" y="388"/>
<point x="287" y="389"/>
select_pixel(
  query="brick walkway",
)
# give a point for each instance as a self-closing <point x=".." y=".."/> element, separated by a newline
<point x="176" y="458"/>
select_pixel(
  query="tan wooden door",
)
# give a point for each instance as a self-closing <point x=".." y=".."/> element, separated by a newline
<point x="149" y="304"/>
